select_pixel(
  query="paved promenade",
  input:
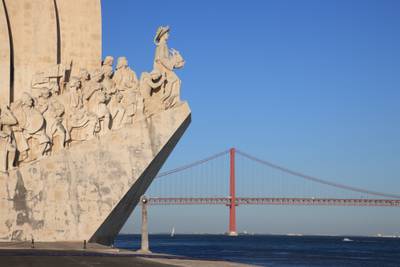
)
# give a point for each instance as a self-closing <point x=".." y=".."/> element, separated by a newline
<point x="66" y="254"/>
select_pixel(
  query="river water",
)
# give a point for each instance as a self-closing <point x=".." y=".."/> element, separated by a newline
<point x="277" y="250"/>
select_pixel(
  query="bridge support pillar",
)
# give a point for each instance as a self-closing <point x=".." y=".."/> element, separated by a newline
<point x="144" y="248"/>
<point x="232" y="206"/>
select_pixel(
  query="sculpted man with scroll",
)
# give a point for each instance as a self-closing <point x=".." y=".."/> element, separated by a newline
<point x="166" y="61"/>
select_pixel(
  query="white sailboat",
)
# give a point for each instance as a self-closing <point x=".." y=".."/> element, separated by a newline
<point x="173" y="232"/>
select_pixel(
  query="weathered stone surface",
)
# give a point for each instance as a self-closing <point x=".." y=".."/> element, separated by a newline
<point x="79" y="142"/>
<point x="80" y="29"/>
<point x="34" y="37"/>
<point x="88" y="191"/>
<point x="5" y="54"/>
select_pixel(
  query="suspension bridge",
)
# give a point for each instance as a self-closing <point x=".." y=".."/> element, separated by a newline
<point x="234" y="178"/>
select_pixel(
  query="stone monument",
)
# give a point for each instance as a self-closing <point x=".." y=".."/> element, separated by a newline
<point x="80" y="141"/>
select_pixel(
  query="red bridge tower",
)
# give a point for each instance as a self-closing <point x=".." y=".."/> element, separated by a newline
<point x="232" y="206"/>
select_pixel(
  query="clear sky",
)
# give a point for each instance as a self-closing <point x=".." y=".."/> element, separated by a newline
<point x="312" y="85"/>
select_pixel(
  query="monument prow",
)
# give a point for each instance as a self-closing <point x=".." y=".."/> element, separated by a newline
<point x="80" y="140"/>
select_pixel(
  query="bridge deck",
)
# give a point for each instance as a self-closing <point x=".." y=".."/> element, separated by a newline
<point x="275" y="201"/>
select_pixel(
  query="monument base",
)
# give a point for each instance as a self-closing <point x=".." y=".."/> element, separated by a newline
<point x="88" y="191"/>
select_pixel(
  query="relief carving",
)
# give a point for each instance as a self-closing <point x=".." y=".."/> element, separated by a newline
<point x="62" y="111"/>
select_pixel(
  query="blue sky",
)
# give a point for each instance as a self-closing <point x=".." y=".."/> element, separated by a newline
<point x="312" y="85"/>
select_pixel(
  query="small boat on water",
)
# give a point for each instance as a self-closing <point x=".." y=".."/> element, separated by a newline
<point x="173" y="232"/>
<point x="347" y="240"/>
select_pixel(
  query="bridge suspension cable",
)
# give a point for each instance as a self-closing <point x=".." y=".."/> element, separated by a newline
<point x="315" y="179"/>
<point x="193" y="164"/>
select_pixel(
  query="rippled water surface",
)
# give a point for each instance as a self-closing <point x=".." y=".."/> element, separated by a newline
<point x="274" y="250"/>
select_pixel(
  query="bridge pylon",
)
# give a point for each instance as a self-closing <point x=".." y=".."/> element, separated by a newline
<point x="232" y="205"/>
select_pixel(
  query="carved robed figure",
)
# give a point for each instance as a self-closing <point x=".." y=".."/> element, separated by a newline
<point x="165" y="61"/>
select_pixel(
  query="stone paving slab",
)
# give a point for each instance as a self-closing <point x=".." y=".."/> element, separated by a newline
<point x="63" y="254"/>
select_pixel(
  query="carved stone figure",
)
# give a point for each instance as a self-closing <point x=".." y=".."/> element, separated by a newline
<point x="108" y="61"/>
<point x="7" y="140"/>
<point x="118" y="112"/>
<point x="125" y="78"/>
<point x="108" y="83"/>
<point x="98" y="98"/>
<point x="80" y="123"/>
<point x="32" y="142"/>
<point x="93" y="88"/>
<point x="127" y="84"/>
<point x="103" y="113"/>
<point x="150" y="89"/>
<point x="166" y="61"/>
<point x="84" y="78"/>
<point x="53" y="112"/>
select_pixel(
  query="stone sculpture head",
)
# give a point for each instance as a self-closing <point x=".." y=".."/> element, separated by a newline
<point x="162" y="34"/>
<point x="84" y="74"/>
<point x="102" y="97"/>
<point x="122" y="63"/>
<point x="46" y="93"/>
<point x="74" y="83"/>
<point x="27" y="100"/>
<point x="108" y="61"/>
<point x="155" y="74"/>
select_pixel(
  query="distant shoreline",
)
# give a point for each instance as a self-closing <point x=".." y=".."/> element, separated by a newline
<point x="259" y="234"/>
